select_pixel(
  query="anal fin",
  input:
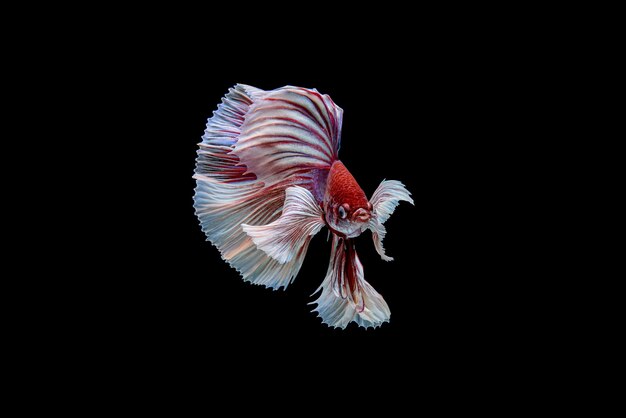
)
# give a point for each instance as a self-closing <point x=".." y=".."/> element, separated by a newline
<point x="345" y="295"/>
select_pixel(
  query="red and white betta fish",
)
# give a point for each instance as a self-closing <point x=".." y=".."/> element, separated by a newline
<point x="268" y="179"/>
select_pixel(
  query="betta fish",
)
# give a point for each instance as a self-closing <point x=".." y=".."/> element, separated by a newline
<point x="269" y="178"/>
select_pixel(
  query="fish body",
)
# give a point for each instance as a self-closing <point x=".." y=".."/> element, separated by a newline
<point x="269" y="178"/>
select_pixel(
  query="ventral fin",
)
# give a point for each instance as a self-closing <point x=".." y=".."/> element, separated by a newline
<point x="284" y="238"/>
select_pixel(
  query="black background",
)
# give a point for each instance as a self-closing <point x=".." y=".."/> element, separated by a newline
<point x="443" y="120"/>
<point x="141" y="285"/>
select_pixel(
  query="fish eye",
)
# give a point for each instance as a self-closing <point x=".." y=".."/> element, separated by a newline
<point x="342" y="212"/>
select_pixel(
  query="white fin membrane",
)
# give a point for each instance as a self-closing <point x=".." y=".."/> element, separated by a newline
<point x="289" y="132"/>
<point x="230" y="192"/>
<point x="345" y="295"/>
<point x="384" y="201"/>
<point x="302" y="218"/>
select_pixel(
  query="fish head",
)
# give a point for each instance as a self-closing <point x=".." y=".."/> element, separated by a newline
<point x="346" y="220"/>
<point x="346" y="208"/>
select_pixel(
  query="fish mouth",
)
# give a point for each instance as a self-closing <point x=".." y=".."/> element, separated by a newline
<point x="360" y="219"/>
<point x="361" y="215"/>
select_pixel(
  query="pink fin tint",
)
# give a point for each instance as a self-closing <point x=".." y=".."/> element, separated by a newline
<point x="290" y="234"/>
<point x="266" y="162"/>
<point x="345" y="295"/>
<point x="288" y="133"/>
<point x="227" y="197"/>
<point x="384" y="201"/>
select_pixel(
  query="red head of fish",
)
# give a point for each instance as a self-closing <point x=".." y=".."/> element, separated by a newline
<point x="346" y="207"/>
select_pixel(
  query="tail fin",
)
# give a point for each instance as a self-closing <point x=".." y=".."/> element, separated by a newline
<point x="227" y="197"/>
<point x="346" y="296"/>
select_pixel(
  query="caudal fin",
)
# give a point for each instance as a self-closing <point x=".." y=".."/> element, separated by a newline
<point x="227" y="196"/>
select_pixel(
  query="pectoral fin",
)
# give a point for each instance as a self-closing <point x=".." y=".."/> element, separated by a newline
<point x="384" y="201"/>
<point x="378" y="234"/>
